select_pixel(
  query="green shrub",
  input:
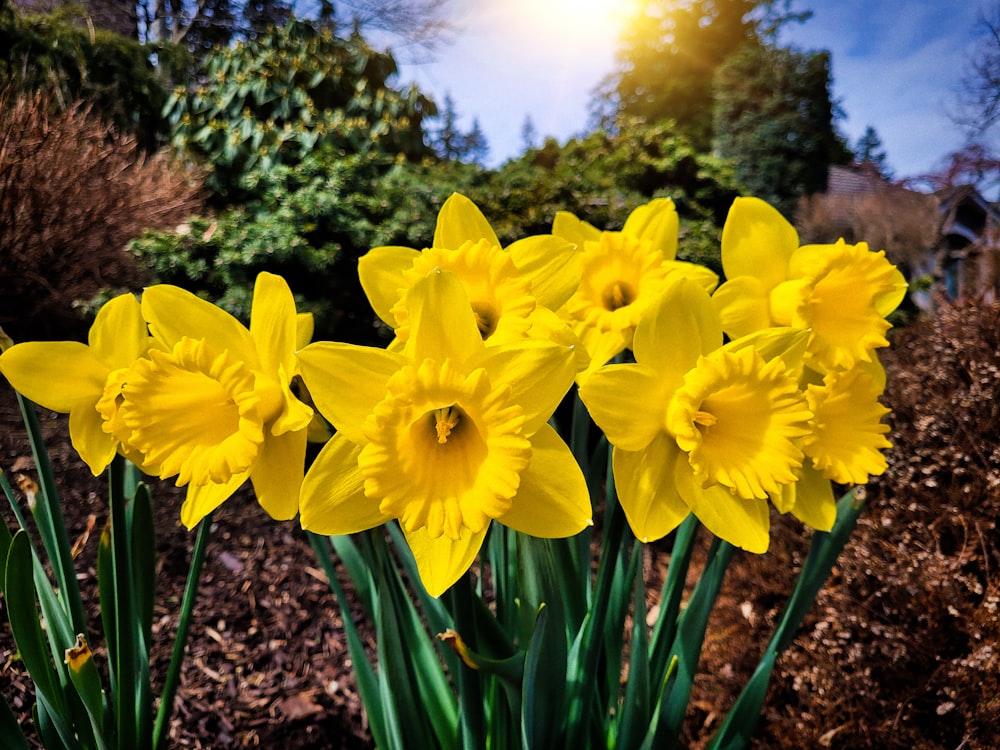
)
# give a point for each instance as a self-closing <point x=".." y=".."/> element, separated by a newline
<point x="111" y="72"/>
<point x="275" y="99"/>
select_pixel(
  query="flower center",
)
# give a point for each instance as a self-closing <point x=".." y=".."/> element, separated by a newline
<point x="193" y="412"/>
<point x="739" y="419"/>
<point x="618" y="294"/>
<point x="446" y="450"/>
<point x="446" y="420"/>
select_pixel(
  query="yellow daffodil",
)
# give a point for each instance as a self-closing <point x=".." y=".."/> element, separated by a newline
<point x="622" y="273"/>
<point x="445" y="435"/>
<point x="841" y="293"/>
<point x="513" y="291"/>
<point x="71" y="377"/>
<point x="212" y="405"/>
<point x="697" y="426"/>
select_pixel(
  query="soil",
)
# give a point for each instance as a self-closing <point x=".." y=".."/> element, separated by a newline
<point x="901" y="650"/>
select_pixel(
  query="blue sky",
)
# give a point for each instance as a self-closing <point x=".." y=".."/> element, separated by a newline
<point x="896" y="66"/>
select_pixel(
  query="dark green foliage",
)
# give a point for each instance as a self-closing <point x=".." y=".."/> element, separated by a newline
<point x="112" y="73"/>
<point x="774" y="118"/>
<point x="274" y="99"/>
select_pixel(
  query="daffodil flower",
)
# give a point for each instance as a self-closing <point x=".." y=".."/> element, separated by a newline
<point x="697" y="426"/>
<point x="212" y="403"/>
<point x="445" y="434"/>
<point x="72" y="377"/>
<point x="513" y="291"/>
<point x="622" y="273"/>
<point x="841" y="293"/>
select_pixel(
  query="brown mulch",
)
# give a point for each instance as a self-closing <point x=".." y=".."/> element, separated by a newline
<point x="901" y="650"/>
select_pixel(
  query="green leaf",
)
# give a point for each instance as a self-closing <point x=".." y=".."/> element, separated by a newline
<point x="688" y="642"/>
<point x="635" y="708"/>
<point x="739" y="724"/>
<point x="22" y="612"/>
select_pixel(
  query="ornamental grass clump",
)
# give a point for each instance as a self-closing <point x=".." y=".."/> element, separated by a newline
<point x="464" y="513"/>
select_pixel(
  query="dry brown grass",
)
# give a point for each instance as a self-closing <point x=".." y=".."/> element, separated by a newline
<point x="72" y="194"/>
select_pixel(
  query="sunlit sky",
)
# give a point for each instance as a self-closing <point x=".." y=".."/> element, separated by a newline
<point x="896" y="66"/>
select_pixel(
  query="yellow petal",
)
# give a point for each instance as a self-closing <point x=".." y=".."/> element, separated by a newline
<point x="277" y="475"/>
<point x="95" y="446"/>
<point x="577" y="231"/>
<point x="553" y="266"/>
<point x="743" y="523"/>
<point x="757" y="241"/>
<point x="273" y="324"/>
<point x="202" y="499"/>
<point x="656" y="222"/>
<point x="743" y="305"/>
<point x="460" y="220"/>
<point x="645" y="486"/>
<point x="704" y="277"/>
<point x="304" y="327"/>
<point x="539" y="374"/>
<point x="173" y="313"/>
<point x="382" y="271"/>
<point x="333" y="500"/>
<point x="442" y="324"/>
<point x="552" y="501"/>
<point x="346" y="381"/>
<point x="55" y="374"/>
<point x="119" y="335"/>
<point x="815" y="504"/>
<point x="678" y="328"/>
<point x="442" y="561"/>
<point x="628" y="402"/>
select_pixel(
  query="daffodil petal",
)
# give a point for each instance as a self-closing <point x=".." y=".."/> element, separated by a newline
<point x="442" y="324"/>
<point x="202" y="499"/>
<point x="538" y="372"/>
<point x="55" y="374"/>
<point x="460" y="220"/>
<point x="552" y="264"/>
<point x="552" y="501"/>
<point x="273" y="323"/>
<point x="743" y="523"/>
<point x="119" y="334"/>
<point x="304" y="327"/>
<point x="679" y="327"/>
<point x="815" y="504"/>
<point x="173" y="313"/>
<point x="658" y="223"/>
<point x="441" y="561"/>
<point x="346" y="381"/>
<point x="332" y="499"/>
<point x="382" y="271"/>
<point x="277" y="475"/>
<point x="757" y="241"/>
<point x="95" y="446"/>
<point x="628" y="402"/>
<point x="646" y="491"/>
<point x="743" y="306"/>
<point x="575" y="230"/>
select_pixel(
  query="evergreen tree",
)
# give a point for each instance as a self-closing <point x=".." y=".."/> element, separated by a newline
<point x="450" y="142"/>
<point x="529" y="134"/>
<point x="774" y="118"/>
<point x="868" y="151"/>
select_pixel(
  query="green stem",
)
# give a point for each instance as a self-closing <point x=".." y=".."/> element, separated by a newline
<point x="125" y="620"/>
<point x="470" y="689"/>
<point x="183" y="628"/>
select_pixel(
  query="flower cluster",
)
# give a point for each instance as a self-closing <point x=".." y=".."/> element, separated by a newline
<point x="184" y="390"/>
<point x="718" y="400"/>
